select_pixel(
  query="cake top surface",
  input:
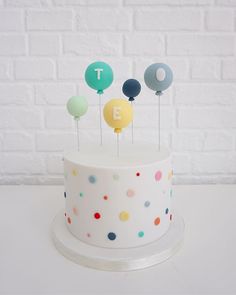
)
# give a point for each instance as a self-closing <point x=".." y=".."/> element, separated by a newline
<point x="131" y="155"/>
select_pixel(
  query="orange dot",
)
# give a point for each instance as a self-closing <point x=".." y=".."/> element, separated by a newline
<point x="69" y="220"/>
<point x="75" y="211"/>
<point x="157" y="221"/>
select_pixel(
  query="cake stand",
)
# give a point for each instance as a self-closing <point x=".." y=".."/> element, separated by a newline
<point x="117" y="259"/>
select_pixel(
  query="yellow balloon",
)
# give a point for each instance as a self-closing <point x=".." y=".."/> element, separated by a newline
<point x="118" y="113"/>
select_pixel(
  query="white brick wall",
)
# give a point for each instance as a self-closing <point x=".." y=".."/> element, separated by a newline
<point x="46" y="45"/>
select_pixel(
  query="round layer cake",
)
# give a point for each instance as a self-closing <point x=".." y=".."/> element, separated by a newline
<point x="118" y="202"/>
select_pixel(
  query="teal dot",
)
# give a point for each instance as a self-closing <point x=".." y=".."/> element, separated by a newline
<point x="147" y="204"/>
<point x="167" y="210"/>
<point x="141" y="234"/>
<point x="92" y="179"/>
<point x="81" y="195"/>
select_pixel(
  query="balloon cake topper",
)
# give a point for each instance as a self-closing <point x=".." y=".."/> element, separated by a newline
<point x="158" y="77"/>
<point x="99" y="76"/>
<point x="118" y="113"/>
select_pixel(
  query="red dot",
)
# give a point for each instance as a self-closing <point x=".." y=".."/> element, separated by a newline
<point x="137" y="174"/>
<point x="97" y="215"/>
<point x="105" y="197"/>
<point x="69" y="220"/>
<point x="170" y="216"/>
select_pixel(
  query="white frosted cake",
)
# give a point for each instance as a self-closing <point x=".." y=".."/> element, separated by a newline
<point x="116" y="202"/>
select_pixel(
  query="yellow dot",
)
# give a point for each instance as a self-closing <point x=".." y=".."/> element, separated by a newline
<point x="124" y="216"/>
<point x="74" y="172"/>
<point x="170" y="174"/>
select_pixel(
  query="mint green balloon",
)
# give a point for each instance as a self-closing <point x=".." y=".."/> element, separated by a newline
<point x="77" y="106"/>
<point x="99" y="76"/>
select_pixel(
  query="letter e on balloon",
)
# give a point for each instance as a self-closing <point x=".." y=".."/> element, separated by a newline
<point x="116" y="113"/>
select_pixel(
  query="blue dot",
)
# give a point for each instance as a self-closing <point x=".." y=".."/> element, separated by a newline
<point x="92" y="179"/>
<point x="167" y="210"/>
<point x="141" y="234"/>
<point x="111" y="236"/>
<point x="65" y="194"/>
<point x="147" y="204"/>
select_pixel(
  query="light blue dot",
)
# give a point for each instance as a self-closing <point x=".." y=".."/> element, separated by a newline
<point x="141" y="234"/>
<point x="92" y="179"/>
<point x="147" y="204"/>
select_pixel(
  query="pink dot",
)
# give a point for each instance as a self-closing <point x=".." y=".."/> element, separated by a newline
<point x="158" y="175"/>
<point x="75" y="211"/>
<point x="130" y="193"/>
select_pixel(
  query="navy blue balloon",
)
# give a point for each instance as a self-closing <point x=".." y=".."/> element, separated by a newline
<point x="131" y="88"/>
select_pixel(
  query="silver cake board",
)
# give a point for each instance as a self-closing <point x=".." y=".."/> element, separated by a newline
<point x="117" y="259"/>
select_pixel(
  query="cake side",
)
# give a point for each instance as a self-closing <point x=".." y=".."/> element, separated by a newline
<point x="119" y="206"/>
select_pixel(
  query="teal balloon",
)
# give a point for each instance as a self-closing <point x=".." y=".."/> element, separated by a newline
<point x="77" y="106"/>
<point x="99" y="76"/>
<point x="158" y="77"/>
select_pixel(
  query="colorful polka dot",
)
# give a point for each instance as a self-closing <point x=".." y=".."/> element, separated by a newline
<point x="124" y="216"/>
<point x="170" y="174"/>
<point x="130" y="192"/>
<point x="158" y="175"/>
<point x="97" y="215"/>
<point x="105" y="198"/>
<point x="147" y="204"/>
<point x="69" y="220"/>
<point x="75" y="211"/>
<point x="81" y="194"/>
<point x="65" y="214"/>
<point x="116" y="177"/>
<point x="88" y="235"/>
<point x="74" y="172"/>
<point x="92" y="179"/>
<point x="65" y="194"/>
<point x="138" y="174"/>
<point x="167" y="211"/>
<point x="141" y="234"/>
<point x="171" y="193"/>
<point x="171" y="217"/>
<point x="157" y="221"/>
<point x="111" y="236"/>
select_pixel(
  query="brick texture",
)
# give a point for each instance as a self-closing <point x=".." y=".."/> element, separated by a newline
<point x="46" y="45"/>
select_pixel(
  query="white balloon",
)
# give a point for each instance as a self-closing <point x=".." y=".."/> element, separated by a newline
<point x="160" y="74"/>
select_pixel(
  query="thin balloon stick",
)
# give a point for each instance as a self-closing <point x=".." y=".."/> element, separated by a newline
<point x="118" y="145"/>
<point x="77" y="131"/>
<point x="132" y="126"/>
<point x="100" y="119"/>
<point x="159" y="122"/>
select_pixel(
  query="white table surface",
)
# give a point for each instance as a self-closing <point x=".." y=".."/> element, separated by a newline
<point x="30" y="264"/>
